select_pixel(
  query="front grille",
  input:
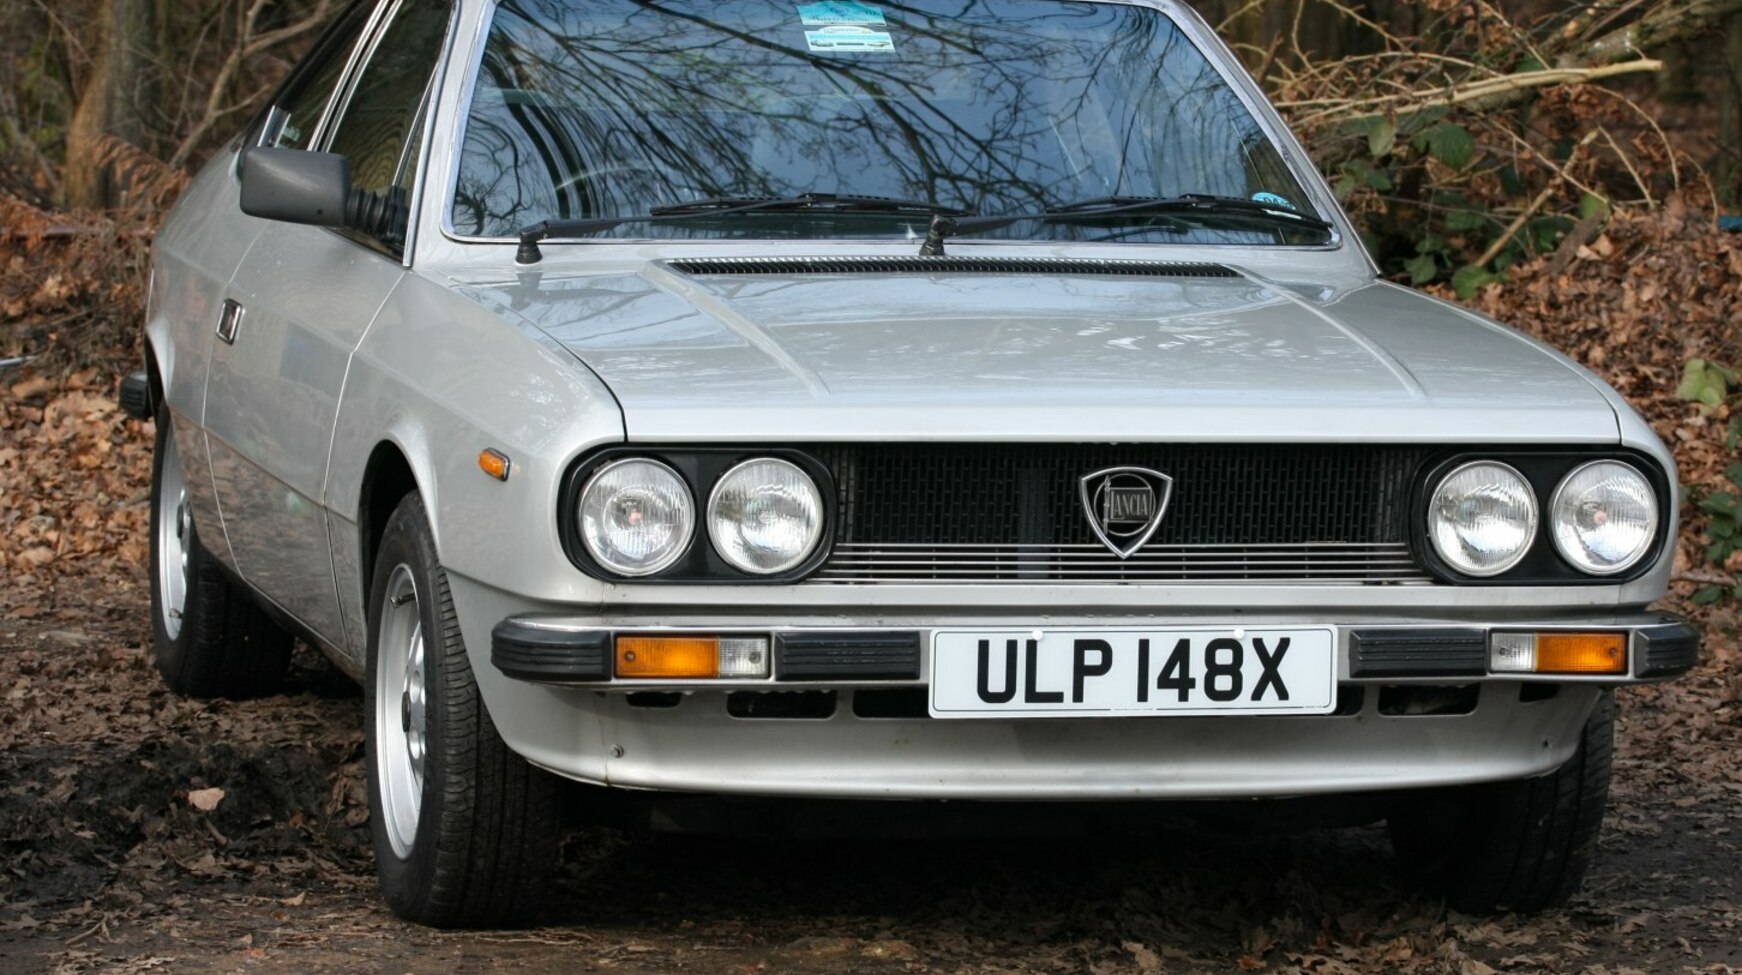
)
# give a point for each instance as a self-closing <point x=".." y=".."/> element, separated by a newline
<point x="1011" y="514"/>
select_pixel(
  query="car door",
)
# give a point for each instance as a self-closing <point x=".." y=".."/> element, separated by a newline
<point x="297" y="308"/>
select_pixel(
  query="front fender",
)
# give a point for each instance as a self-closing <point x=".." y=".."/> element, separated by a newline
<point x="443" y="379"/>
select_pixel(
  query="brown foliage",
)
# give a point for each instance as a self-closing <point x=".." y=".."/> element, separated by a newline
<point x="72" y="284"/>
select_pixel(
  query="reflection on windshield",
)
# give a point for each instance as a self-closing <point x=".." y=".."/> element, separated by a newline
<point x="995" y="106"/>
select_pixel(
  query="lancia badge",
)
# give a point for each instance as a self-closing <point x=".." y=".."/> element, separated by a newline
<point x="1125" y="505"/>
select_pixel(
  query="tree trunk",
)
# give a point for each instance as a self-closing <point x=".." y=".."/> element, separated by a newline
<point x="117" y="100"/>
<point x="1730" y="124"/>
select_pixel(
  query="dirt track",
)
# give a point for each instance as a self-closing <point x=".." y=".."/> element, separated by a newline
<point x="109" y="868"/>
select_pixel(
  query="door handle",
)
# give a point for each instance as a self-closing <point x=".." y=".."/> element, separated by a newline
<point x="229" y="321"/>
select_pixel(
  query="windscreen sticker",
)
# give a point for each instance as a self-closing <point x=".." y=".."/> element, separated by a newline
<point x="1272" y="199"/>
<point x="826" y="12"/>
<point x="847" y="39"/>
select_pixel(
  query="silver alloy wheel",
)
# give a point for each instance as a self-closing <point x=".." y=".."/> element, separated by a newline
<point x="174" y="536"/>
<point x="401" y="710"/>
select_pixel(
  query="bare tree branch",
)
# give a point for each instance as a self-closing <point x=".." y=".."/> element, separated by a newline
<point x="248" y="45"/>
<point x="1665" y="23"/>
<point x="1489" y="92"/>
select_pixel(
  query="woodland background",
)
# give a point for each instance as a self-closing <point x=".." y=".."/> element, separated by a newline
<point x="1563" y="166"/>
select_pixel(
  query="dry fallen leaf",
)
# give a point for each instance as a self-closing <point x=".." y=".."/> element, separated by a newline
<point x="205" y="800"/>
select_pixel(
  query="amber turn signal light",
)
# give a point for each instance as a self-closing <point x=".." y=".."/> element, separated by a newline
<point x="495" y="463"/>
<point x="1581" y="653"/>
<point x="668" y="656"/>
<point x="729" y="656"/>
<point x="1558" y="652"/>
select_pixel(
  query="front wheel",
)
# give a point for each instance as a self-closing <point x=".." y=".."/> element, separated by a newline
<point x="1522" y="845"/>
<point x="465" y="830"/>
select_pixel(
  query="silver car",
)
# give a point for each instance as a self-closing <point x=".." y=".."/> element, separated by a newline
<point x="935" y="400"/>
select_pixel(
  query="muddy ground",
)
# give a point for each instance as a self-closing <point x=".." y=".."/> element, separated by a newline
<point x="107" y="865"/>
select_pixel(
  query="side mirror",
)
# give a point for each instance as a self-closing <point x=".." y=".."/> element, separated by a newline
<point x="297" y="186"/>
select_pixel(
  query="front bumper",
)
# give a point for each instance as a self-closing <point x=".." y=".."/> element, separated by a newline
<point x="1404" y="719"/>
<point x="556" y="649"/>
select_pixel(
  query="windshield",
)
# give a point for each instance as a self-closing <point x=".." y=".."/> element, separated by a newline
<point x="613" y="107"/>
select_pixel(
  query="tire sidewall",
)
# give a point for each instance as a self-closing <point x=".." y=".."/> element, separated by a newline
<point x="406" y="881"/>
<point x="170" y="655"/>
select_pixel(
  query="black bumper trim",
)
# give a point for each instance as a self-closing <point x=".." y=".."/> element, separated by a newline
<point x="136" y="395"/>
<point x="547" y="655"/>
<point x="1668" y="650"/>
<point x="847" y="656"/>
<point x="1418" y="653"/>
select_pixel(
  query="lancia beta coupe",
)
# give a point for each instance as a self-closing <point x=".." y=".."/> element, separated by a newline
<point x="910" y="400"/>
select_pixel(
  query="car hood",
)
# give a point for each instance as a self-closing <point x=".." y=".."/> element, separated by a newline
<point x="1060" y="356"/>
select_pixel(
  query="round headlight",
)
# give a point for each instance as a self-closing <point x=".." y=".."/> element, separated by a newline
<point x="1604" y="516"/>
<point x="765" y="516"/>
<point x="636" y="516"/>
<point x="1482" y="518"/>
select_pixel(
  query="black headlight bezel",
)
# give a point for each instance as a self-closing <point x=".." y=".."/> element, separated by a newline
<point x="700" y="468"/>
<point x="1543" y="469"/>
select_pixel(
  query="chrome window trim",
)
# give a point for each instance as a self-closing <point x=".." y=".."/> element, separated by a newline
<point x="430" y="115"/>
<point x="348" y="77"/>
<point x="341" y="101"/>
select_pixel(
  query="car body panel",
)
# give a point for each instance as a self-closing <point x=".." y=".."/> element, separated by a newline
<point x="194" y="258"/>
<point x="442" y="379"/>
<point x="271" y="403"/>
<point x="456" y="349"/>
<point x="941" y="356"/>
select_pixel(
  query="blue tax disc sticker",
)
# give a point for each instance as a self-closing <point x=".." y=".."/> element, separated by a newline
<point x="1271" y="199"/>
<point x="824" y="13"/>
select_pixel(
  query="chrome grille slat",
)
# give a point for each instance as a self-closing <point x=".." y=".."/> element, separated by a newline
<point x="1032" y="564"/>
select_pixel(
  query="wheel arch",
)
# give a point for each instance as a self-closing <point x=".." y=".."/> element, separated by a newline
<point x="388" y="478"/>
<point x="153" y="372"/>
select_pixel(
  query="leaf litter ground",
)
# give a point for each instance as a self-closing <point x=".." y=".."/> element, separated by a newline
<point x="140" y="832"/>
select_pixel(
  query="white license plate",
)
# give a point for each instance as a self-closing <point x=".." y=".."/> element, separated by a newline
<point x="1085" y="672"/>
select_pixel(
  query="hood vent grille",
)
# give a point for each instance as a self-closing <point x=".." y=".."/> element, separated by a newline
<point x="949" y="264"/>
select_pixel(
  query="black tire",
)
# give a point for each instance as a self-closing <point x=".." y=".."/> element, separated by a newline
<point x="224" y="644"/>
<point x="487" y="822"/>
<point x="1522" y="845"/>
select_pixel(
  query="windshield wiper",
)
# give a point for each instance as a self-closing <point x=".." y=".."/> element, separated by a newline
<point x="1189" y="204"/>
<point x="528" y="252"/>
<point x="1188" y="207"/>
<point x="836" y="202"/>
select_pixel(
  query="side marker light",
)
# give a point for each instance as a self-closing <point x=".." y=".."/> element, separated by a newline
<point x="495" y="463"/>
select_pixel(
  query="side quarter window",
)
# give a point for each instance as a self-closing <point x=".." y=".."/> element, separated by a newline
<point x="296" y="109"/>
<point x="379" y="123"/>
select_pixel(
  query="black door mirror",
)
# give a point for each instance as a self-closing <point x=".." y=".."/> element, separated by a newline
<point x="297" y="186"/>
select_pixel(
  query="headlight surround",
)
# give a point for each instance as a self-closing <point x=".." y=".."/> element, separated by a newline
<point x="636" y="516"/>
<point x="1604" y="517"/>
<point x="765" y="516"/>
<point x="1482" y="518"/>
